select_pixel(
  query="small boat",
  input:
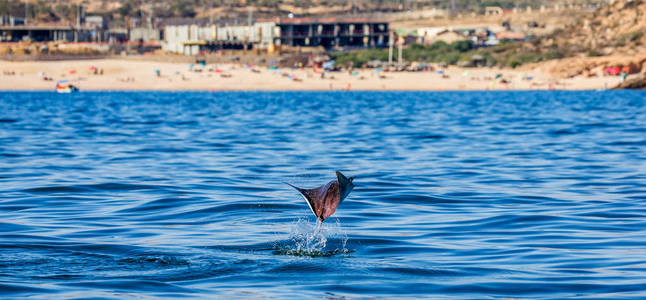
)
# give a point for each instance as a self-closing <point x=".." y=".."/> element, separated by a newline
<point x="65" y="87"/>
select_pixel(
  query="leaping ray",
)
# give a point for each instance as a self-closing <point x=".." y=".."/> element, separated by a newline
<point x="324" y="200"/>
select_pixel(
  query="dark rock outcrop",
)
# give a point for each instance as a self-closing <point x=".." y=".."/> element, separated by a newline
<point x="638" y="83"/>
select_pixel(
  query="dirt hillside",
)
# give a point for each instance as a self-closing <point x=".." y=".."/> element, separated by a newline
<point x="613" y="36"/>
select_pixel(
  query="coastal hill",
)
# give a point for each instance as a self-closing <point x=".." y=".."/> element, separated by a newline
<point x="614" y="35"/>
<point x="577" y="42"/>
<point x="615" y="29"/>
<point x="120" y="10"/>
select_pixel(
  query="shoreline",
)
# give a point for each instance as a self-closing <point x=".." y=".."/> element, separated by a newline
<point x="129" y="75"/>
<point x="308" y="91"/>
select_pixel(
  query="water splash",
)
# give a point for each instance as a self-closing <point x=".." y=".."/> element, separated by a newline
<point x="314" y="239"/>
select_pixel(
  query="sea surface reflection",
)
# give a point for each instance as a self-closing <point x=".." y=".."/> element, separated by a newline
<point x="458" y="195"/>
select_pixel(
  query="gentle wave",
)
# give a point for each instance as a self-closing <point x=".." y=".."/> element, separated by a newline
<point x="458" y="195"/>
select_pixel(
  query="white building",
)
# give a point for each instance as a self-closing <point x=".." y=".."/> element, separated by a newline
<point x="142" y="34"/>
<point x="265" y="32"/>
<point x="260" y="33"/>
<point x="234" y="33"/>
<point x="181" y="39"/>
<point x="187" y="39"/>
<point x="427" y="34"/>
<point x="95" y="21"/>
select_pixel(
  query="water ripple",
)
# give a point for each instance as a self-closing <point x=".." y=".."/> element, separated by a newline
<point x="118" y="195"/>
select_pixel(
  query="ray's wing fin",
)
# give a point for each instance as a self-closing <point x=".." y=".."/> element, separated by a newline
<point x="307" y="196"/>
<point x="345" y="186"/>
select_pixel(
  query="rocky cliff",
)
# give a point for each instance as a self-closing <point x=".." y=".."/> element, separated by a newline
<point x="612" y="36"/>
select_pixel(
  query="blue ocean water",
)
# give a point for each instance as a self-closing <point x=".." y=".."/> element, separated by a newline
<point x="458" y="195"/>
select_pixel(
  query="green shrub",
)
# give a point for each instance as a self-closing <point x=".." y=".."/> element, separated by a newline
<point x="462" y="46"/>
<point x="514" y="62"/>
<point x="629" y="37"/>
<point x="633" y="36"/>
<point x="553" y="54"/>
<point x="594" y="53"/>
<point x="508" y="54"/>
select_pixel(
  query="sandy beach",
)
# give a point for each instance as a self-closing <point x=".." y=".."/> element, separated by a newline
<point x="124" y="74"/>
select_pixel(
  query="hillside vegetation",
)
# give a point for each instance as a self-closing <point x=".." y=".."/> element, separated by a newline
<point x="65" y="10"/>
<point x="613" y="29"/>
<point x="614" y="35"/>
<point x="617" y="30"/>
<point x="507" y="54"/>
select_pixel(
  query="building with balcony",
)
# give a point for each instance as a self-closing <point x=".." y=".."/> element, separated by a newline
<point x="332" y="32"/>
<point x="7" y="20"/>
